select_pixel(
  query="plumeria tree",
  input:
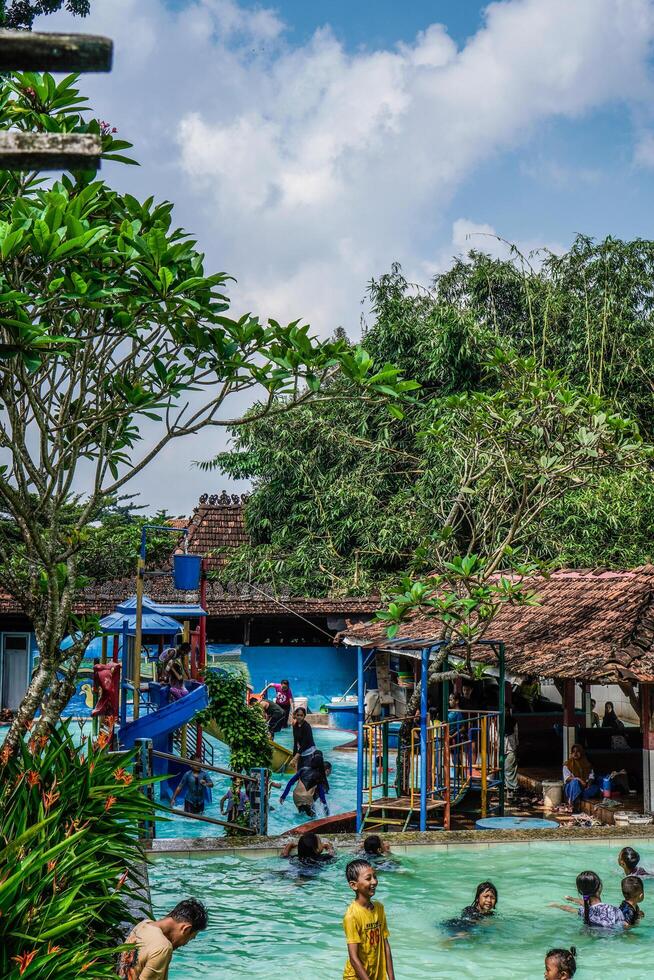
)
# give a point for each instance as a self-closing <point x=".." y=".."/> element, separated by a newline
<point x="115" y="343"/>
<point x="515" y="452"/>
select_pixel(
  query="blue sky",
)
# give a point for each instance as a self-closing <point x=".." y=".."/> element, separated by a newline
<point x="308" y="145"/>
<point x="373" y="23"/>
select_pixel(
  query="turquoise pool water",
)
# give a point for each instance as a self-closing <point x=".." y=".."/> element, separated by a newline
<point x="342" y="784"/>
<point x="265" y="918"/>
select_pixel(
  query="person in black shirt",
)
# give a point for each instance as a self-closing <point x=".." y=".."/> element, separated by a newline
<point x="468" y="700"/>
<point x="303" y="742"/>
<point x="275" y="716"/>
<point x="633" y="892"/>
<point x="483" y="906"/>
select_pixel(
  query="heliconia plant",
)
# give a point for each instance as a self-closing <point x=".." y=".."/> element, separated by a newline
<point x="69" y="856"/>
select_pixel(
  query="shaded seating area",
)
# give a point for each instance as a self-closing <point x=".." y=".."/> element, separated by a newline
<point x="589" y="628"/>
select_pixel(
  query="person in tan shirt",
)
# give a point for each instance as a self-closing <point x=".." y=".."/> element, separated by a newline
<point x="155" y="942"/>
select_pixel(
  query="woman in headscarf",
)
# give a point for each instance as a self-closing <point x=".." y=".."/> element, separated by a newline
<point x="310" y="782"/>
<point x="578" y="778"/>
<point x="610" y="719"/>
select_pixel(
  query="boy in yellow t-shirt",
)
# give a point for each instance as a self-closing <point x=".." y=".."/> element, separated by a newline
<point x="366" y="932"/>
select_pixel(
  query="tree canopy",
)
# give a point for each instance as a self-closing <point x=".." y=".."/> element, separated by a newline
<point x="21" y="14"/>
<point x="346" y="499"/>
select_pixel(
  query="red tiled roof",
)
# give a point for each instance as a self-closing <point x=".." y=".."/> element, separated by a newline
<point x="230" y="599"/>
<point x="177" y="522"/>
<point x="215" y="527"/>
<point x="590" y="624"/>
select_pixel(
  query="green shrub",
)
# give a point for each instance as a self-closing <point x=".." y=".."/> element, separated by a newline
<point x="244" y="728"/>
<point x="69" y="857"/>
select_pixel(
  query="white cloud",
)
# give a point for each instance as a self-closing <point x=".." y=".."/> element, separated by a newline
<point x="644" y="151"/>
<point x="470" y="235"/>
<point x="305" y="170"/>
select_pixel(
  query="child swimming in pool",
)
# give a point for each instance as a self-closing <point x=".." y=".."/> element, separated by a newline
<point x="366" y="932"/>
<point x="561" y="964"/>
<point x="484" y="903"/>
<point x="375" y="846"/>
<point x="633" y="893"/>
<point x="483" y="906"/>
<point x="592" y="909"/>
<point x="629" y="861"/>
<point x="310" y="848"/>
<point x="378" y="851"/>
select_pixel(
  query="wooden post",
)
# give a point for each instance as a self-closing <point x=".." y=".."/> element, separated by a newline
<point x="504" y="688"/>
<point x="484" y="766"/>
<point x="588" y="710"/>
<point x="648" y="746"/>
<point x="49" y="151"/>
<point x="36" y="51"/>
<point x="138" y="638"/>
<point x="104" y="648"/>
<point x="569" y="734"/>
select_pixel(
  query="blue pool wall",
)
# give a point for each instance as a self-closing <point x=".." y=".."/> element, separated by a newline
<point x="317" y="673"/>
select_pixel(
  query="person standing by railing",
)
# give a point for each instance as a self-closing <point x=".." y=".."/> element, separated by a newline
<point x="510" y="755"/>
<point x="192" y="785"/>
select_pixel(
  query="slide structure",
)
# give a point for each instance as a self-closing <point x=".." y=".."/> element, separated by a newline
<point x="162" y="723"/>
<point x="281" y="756"/>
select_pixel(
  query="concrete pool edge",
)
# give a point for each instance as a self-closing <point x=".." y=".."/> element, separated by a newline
<point x="473" y="839"/>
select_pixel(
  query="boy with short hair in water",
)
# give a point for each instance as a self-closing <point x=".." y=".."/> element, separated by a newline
<point x="633" y="894"/>
<point x="366" y="932"/>
<point x="155" y="942"/>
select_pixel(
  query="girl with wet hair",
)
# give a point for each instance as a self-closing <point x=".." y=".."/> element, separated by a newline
<point x="482" y="907"/>
<point x="561" y="964"/>
<point x="483" y="904"/>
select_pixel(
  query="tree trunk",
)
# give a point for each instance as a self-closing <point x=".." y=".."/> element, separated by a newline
<point x="29" y="705"/>
<point x="51" y="618"/>
<point x="61" y="690"/>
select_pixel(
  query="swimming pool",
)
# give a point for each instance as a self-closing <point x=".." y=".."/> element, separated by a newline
<point x="342" y="784"/>
<point x="264" y="917"/>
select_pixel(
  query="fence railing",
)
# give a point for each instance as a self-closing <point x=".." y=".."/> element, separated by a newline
<point x="256" y="785"/>
<point x="460" y="754"/>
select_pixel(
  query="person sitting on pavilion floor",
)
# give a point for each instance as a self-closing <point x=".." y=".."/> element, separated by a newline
<point x="579" y="778"/>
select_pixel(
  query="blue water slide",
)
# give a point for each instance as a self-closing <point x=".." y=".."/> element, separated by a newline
<point x="167" y="719"/>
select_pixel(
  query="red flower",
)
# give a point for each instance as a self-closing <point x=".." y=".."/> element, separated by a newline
<point x="51" y="796"/>
<point x="121" y="881"/>
<point x="5" y="755"/>
<point x="102" y="740"/>
<point x="53" y="949"/>
<point x="24" y="960"/>
<point x="109" y="802"/>
<point x="33" y="778"/>
<point x="121" y="776"/>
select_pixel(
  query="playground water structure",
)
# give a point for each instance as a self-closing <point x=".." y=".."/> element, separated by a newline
<point x="264" y="910"/>
<point x="342" y="783"/>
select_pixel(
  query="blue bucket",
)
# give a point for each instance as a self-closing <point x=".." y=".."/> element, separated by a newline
<point x="186" y="572"/>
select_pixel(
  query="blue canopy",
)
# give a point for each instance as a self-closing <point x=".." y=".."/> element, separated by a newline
<point x="178" y="610"/>
<point x="157" y="618"/>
